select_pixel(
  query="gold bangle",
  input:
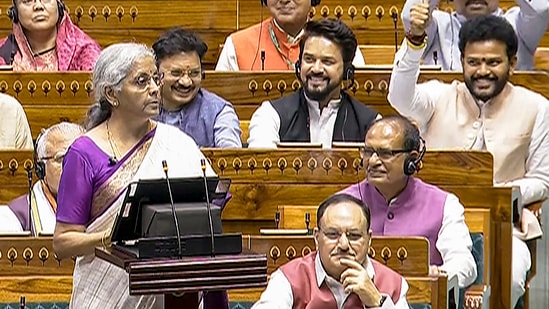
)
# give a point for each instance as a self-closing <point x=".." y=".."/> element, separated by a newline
<point x="104" y="240"/>
<point x="413" y="46"/>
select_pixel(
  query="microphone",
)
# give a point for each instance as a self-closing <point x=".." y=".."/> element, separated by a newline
<point x="435" y="57"/>
<point x="277" y="219"/>
<point x="165" y="168"/>
<point x="262" y="60"/>
<point x="394" y="15"/>
<point x="22" y="302"/>
<point x="203" y="167"/>
<point x="113" y="161"/>
<point x="29" y="178"/>
<point x="307" y="221"/>
<point x="14" y="49"/>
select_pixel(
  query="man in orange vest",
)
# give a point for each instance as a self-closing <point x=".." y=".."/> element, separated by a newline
<point x="272" y="44"/>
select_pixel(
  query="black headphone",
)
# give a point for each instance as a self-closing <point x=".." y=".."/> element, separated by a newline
<point x="313" y="2"/>
<point x="12" y="11"/>
<point x="412" y="164"/>
<point x="39" y="165"/>
<point x="348" y="71"/>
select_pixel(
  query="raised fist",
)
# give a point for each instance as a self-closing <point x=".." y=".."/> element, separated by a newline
<point x="419" y="18"/>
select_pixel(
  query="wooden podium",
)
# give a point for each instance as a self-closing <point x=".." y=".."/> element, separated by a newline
<point x="180" y="279"/>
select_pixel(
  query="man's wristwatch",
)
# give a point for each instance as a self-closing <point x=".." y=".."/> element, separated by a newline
<point x="381" y="302"/>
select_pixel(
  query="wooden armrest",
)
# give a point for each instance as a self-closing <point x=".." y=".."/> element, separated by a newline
<point x="477" y="297"/>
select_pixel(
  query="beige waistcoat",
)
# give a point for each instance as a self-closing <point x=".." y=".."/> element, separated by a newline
<point x="508" y="124"/>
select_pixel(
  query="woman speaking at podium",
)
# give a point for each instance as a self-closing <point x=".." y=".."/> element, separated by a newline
<point x="122" y="145"/>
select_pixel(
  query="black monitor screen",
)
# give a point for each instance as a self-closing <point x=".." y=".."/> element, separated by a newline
<point x="157" y="220"/>
<point x="146" y="210"/>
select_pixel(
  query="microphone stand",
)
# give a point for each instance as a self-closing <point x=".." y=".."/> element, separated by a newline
<point x="394" y="15"/>
<point x="29" y="178"/>
<point x="277" y="219"/>
<point x="178" y="232"/>
<point x="203" y="167"/>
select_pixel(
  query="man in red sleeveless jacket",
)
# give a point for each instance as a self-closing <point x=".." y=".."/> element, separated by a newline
<point x="338" y="274"/>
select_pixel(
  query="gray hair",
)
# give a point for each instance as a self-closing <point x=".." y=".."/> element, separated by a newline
<point x="66" y="129"/>
<point x="111" y="68"/>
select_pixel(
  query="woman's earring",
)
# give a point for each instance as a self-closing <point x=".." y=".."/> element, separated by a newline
<point x="115" y="104"/>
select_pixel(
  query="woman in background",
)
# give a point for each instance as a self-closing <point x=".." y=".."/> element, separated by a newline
<point x="45" y="39"/>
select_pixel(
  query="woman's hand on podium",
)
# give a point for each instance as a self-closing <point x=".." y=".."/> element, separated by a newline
<point x="106" y="238"/>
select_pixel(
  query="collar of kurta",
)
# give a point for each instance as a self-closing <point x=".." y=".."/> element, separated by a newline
<point x="333" y="104"/>
<point x="289" y="38"/>
<point x="462" y="19"/>
<point x="49" y="195"/>
<point x="402" y="197"/>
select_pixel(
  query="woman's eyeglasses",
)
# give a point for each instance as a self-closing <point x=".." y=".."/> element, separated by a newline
<point x="144" y="81"/>
<point x="31" y="2"/>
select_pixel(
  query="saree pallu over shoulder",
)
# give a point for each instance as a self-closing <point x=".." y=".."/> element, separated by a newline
<point x="113" y="188"/>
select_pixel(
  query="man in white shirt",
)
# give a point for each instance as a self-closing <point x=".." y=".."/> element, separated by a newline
<point x="272" y="44"/>
<point x="319" y="112"/>
<point x="392" y="154"/>
<point x="339" y="273"/>
<point x="529" y="20"/>
<point x="485" y="112"/>
<point x="15" y="132"/>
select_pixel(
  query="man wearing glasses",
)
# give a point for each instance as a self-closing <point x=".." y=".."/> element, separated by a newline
<point x="50" y="149"/>
<point x="209" y="119"/>
<point x="339" y="273"/>
<point x="402" y="204"/>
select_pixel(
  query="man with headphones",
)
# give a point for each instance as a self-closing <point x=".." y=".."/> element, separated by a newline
<point x="206" y="117"/>
<point x="45" y="39"/>
<point x="50" y="148"/>
<point x="529" y="18"/>
<point x="320" y="111"/>
<point x="403" y="205"/>
<point x="273" y="44"/>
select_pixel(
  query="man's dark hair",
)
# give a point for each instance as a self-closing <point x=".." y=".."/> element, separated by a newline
<point x="488" y="28"/>
<point x="335" y="31"/>
<point x="412" y="138"/>
<point x="177" y="40"/>
<point x="338" y="199"/>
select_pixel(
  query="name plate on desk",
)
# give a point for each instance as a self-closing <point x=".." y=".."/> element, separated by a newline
<point x="284" y="232"/>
